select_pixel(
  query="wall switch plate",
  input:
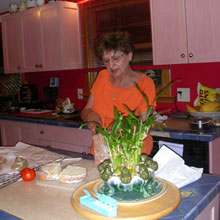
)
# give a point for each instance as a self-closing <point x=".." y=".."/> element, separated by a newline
<point x="183" y="94"/>
<point x="80" y="92"/>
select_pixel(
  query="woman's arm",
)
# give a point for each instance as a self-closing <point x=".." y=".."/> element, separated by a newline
<point x="89" y="116"/>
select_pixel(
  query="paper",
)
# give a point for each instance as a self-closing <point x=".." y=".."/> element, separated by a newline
<point x="178" y="148"/>
<point x="172" y="168"/>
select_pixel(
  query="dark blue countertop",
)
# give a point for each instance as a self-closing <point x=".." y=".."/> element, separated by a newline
<point x="195" y="197"/>
<point x="174" y="131"/>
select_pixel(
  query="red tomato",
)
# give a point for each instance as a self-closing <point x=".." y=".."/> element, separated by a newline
<point x="28" y="174"/>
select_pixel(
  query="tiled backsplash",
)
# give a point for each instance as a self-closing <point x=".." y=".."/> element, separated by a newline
<point x="9" y="84"/>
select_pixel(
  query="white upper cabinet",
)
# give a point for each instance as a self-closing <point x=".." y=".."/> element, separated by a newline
<point x="11" y="36"/>
<point x="49" y="36"/>
<point x="185" y="31"/>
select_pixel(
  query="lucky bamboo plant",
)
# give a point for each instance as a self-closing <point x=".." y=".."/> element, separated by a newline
<point x="124" y="139"/>
<point x="126" y="136"/>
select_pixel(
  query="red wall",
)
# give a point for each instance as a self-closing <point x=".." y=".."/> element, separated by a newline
<point x="69" y="82"/>
<point x="207" y="74"/>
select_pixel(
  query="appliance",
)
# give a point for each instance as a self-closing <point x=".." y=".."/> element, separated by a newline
<point x="29" y="93"/>
<point x="195" y="153"/>
<point x="51" y="94"/>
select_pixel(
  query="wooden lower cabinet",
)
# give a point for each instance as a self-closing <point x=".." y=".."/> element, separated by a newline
<point x="65" y="138"/>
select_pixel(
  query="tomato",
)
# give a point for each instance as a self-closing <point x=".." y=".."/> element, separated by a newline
<point x="28" y="174"/>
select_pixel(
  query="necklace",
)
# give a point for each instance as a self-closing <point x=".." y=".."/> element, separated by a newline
<point x="114" y="93"/>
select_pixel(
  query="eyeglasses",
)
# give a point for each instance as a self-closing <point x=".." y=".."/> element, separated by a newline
<point x="114" y="59"/>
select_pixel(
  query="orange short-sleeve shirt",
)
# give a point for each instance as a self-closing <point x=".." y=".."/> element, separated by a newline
<point x="108" y="96"/>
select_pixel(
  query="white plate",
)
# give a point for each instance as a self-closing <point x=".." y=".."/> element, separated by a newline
<point x="205" y="114"/>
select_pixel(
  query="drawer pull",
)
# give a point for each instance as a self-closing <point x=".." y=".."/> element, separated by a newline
<point x="182" y="55"/>
<point x="41" y="132"/>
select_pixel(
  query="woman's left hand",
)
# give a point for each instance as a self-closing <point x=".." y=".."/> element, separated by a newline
<point x="91" y="118"/>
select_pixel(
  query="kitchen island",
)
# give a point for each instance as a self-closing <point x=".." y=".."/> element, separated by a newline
<point x="29" y="200"/>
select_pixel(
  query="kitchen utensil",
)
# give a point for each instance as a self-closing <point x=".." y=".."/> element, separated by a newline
<point x="200" y="122"/>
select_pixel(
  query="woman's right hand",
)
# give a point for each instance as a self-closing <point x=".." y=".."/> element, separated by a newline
<point x="91" y="118"/>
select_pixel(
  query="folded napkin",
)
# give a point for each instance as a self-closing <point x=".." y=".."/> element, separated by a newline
<point x="172" y="168"/>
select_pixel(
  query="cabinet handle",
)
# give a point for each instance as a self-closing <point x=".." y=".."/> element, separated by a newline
<point x="41" y="132"/>
<point x="182" y="55"/>
<point x="190" y="54"/>
<point x="40" y="65"/>
<point x="18" y="67"/>
<point x="36" y="65"/>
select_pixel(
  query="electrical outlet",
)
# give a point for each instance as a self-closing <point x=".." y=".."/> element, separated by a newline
<point x="80" y="92"/>
<point x="183" y="94"/>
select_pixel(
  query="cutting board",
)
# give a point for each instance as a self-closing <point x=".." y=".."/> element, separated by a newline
<point x="148" y="210"/>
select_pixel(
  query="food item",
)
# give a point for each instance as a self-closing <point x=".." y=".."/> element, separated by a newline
<point x="192" y="109"/>
<point x="19" y="163"/>
<point x="210" y="107"/>
<point x="50" y="171"/>
<point x="28" y="174"/>
<point x="72" y="174"/>
<point x="206" y="94"/>
<point x="2" y="160"/>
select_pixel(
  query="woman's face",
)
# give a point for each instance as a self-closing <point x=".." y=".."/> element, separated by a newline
<point x="116" y="62"/>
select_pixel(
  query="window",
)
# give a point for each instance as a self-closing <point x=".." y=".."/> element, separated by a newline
<point x="98" y="16"/>
<point x="110" y="15"/>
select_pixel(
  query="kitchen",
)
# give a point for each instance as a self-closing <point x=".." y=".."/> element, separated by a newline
<point x="71" y="80"/>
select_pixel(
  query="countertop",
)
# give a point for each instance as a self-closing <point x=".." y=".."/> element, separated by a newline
<point x="175" y="128"/>
<point x="27" y="200"/>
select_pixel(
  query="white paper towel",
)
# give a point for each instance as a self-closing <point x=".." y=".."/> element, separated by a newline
<point x="172" y="168"/>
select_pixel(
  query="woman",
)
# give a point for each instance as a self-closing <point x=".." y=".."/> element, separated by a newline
<point x="115" y="85"/>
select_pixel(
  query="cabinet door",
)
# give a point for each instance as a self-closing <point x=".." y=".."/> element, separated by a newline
<point x="28" y="133"/>
<point x="71" y="47"/>
<point x="50" y="33"/>
<point x="10" y="133"/>
<point x="12" y="47"/>
<point x="203" y="22"/>
<point x="168" y="24"/>
<point x="185" y="31"/>
<point x="31" y="37"/>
